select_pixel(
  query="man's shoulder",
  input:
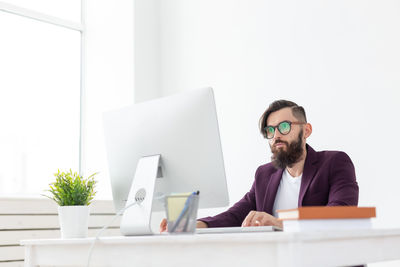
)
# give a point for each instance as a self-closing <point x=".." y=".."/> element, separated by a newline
<point x="331" y="154"/>
<point x="327" y="157"/>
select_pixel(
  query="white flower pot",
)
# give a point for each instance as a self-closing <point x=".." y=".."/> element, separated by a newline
<point x="73" y="221"/>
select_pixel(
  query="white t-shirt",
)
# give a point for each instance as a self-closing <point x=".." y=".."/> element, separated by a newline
<point x="287" y="196"/>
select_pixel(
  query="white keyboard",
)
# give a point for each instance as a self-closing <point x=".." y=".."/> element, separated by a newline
<point x="250" y="229"/>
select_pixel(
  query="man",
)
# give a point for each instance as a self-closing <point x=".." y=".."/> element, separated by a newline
<point x="296" y="176"/>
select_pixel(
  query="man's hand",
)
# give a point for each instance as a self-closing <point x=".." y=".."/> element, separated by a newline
<point x="163" y="225"/>
<point x="259" y="218"/>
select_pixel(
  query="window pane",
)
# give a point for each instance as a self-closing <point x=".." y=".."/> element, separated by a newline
<point x="39" y="103"/>
<point x="66" y="9"/>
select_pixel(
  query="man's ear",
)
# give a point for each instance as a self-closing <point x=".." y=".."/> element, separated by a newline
<point x="308" y="130"/>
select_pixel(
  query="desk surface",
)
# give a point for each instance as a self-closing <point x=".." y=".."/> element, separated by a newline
<point x="332" y="248"/>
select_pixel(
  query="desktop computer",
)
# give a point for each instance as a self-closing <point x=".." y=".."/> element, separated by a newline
<point x="163" y="146"/>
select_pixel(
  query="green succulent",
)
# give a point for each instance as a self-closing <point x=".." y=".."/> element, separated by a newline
<point x="71" y="189"/>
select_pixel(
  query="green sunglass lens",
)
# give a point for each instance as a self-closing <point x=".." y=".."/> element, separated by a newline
<point x="284" y="127"/>
<point x="270" y="132"/>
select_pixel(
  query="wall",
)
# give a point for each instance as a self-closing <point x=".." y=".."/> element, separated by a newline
<point x="339" y="59"/>
<point x="109" y="78"/>
<point x="146" y="50"/>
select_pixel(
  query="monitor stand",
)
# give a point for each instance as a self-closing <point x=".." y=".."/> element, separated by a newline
<point x="136" y="219"/>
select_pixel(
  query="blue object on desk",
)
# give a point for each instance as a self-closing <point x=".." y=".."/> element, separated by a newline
<point x="185" y="213"/>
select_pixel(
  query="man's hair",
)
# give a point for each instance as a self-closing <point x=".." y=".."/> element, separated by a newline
<point x="297" y="111"/>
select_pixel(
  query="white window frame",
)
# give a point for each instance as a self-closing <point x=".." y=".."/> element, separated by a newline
<point x="80" y="27"/>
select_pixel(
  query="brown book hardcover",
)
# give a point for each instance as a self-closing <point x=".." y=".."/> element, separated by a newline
<point x="325" y="212"/>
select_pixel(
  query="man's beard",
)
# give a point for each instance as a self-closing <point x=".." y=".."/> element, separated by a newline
<point x="286" y="158"/>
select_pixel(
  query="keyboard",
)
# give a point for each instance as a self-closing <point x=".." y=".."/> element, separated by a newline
<point x="250" y="229"/>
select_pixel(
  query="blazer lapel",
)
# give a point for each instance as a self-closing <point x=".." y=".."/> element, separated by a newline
<point x="271" y="191"/>
<point x="308" y="172"/>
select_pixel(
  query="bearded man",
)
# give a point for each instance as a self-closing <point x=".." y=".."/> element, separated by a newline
<point x="296" y="176"/>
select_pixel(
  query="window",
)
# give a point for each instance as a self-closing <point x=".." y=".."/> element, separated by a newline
<point x="64" y="9"/>
<point x="40" y="70"/>
<point x="50" y="119"/>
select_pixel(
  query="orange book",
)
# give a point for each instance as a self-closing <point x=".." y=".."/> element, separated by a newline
<point x="327" y="212"/>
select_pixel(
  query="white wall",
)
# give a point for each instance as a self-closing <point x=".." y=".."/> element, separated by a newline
<point x="146" y="49"/>
<point x="339" y="59"/>
<point x="109" y="78"/>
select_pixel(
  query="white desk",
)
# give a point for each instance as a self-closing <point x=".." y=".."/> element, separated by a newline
<point x="244" y="249"/>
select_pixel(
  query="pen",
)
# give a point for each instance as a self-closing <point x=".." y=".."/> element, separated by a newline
<point x="190" y="212"/>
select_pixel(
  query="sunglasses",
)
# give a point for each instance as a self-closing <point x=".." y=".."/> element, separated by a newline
<point x="284" y="128"/>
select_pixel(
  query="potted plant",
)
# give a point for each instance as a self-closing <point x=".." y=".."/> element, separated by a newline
<point x="73" y="194"/>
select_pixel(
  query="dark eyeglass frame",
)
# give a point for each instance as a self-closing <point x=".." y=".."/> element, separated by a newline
<point x="277" y="127"/>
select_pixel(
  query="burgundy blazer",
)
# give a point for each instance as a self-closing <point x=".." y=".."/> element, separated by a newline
<point x="328" y="180"/>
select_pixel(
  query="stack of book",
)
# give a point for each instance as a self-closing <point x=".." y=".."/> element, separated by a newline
<point x="324" y="218"/>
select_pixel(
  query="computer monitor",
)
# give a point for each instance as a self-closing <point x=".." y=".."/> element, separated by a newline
<point x="175" y="138"/>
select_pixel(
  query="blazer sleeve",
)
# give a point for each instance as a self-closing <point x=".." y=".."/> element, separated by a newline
<point x="343" y="185"/>
<point x="236" y="214"/>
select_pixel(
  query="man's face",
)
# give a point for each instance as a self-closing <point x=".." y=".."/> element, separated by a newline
<point x="286" y="149"/>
